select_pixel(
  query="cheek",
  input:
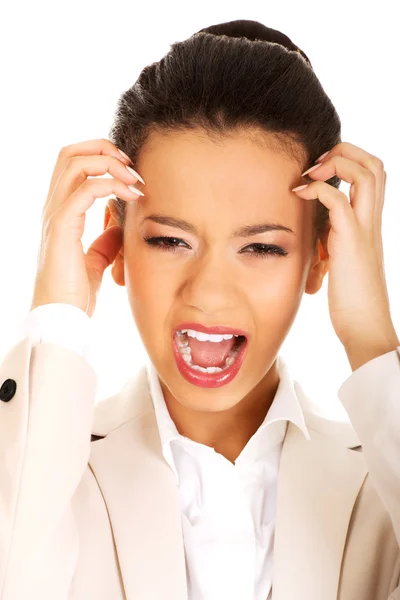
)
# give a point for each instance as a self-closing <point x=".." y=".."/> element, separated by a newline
<point x="151" y="291"/>
<point x="150" y="278"/>
<point x="275" y="280"/>
<point x="275" y="300"/>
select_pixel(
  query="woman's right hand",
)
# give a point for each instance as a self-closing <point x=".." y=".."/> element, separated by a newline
<point x="65" y="273"/>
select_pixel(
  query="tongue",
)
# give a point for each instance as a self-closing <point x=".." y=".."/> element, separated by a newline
<point x="210" y="354"/>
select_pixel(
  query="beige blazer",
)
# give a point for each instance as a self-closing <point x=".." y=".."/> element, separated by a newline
<point x="100" y="519"/>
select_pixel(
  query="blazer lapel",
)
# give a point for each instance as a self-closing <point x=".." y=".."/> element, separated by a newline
<point x="318" y="484"/>
<point x="142" y="499"/>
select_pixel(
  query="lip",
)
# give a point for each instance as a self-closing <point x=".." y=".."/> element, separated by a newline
<point x="208" y="380"/>
<point x="217" y="329"/>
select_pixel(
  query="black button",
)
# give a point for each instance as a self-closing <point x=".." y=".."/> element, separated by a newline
<point x="7" y="390"/>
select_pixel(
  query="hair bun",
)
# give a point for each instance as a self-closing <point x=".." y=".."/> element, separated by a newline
<point x="253" y="31"/>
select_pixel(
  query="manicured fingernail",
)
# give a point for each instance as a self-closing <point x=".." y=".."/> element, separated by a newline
<point x="311" y="169"/>
<point x="135" y="174"/>
<point x="135" y="191"/>
<point x="124" y="155"/>
<point x="322" y="156"/>
<point x="300" y="187"/>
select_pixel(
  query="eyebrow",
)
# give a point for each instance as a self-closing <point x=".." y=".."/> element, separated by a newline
<point x="246" y="231"/>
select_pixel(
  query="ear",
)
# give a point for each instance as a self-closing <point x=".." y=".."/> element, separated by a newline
<point x="117" y="267"/>
<point x="319" y="266"/>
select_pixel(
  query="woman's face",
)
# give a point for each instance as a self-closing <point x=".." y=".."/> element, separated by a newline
<point x="209" y="274"/>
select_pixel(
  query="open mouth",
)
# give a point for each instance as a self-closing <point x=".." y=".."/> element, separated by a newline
<point x="213" y="357"/>
<point x="208" y="360"/>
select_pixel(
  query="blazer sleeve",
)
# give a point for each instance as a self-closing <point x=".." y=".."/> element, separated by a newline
<point x="47" y="398"/>
<point x="62" y="324"/>
<point x="371" y="397"/>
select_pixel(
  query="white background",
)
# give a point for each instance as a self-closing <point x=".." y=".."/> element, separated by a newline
<point x="64" y="66"/>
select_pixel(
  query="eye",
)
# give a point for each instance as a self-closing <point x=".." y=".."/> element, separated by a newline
<point x="163" y="243"/>
<point x="170" y="244"/>
<point x="265" y="250"/>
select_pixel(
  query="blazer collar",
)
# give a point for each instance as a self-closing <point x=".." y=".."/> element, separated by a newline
<point x="317" y="478"/>
<point x="285" y="407"/>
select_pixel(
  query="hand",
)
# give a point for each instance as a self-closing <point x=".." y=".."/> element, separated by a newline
<point x="65" y="273"/>
<point x="357" y="291"/>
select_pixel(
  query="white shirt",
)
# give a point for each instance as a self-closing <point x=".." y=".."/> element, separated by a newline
<point x="228" y="511"/>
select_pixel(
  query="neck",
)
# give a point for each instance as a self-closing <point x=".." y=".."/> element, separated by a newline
<point x="226" y="431"/>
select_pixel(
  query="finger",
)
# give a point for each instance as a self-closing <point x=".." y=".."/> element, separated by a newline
<point x="362" y="189"/>
<point x="78" y="169"/>
<point x="366" y="160"/>
<point x="86" y="148"/>
<point x="341" y="215"/>
<point x="71" y="214"/>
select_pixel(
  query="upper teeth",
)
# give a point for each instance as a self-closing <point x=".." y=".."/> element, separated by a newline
<point x="205" y="337"/>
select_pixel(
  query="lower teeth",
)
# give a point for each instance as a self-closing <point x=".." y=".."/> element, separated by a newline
<point x="186" y="355"/>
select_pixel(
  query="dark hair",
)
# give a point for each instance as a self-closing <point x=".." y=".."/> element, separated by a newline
<point x="235" y="76"/>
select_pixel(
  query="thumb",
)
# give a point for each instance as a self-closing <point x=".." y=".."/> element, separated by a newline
<point x="102" y="252"/>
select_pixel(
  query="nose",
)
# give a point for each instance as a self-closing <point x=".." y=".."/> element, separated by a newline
<point x="210" y="285"/>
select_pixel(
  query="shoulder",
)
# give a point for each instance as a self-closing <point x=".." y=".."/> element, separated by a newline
<point x="323" y="427"/>
<point x="131" y="401"/>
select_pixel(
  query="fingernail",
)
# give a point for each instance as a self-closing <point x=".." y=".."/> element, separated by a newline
<point x="135" y="174"/>
<point x="124" y="155"/>
<point x="300" y="187"/>
<point x="322" y="156"/>
<point x="311" y="169"/>
<point x="135" y="191"/>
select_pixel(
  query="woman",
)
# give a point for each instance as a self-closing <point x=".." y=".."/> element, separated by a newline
<point x="176" y="495"/>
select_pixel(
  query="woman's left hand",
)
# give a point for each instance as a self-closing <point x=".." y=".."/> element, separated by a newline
<point x="357" y="292"/>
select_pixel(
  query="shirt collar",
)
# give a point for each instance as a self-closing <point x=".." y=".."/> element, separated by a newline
<point x="285" y="407"/>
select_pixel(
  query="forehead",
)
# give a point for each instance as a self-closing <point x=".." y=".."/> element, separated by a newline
<point x="256" y="153"/>
<point x="242" y="176"/>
